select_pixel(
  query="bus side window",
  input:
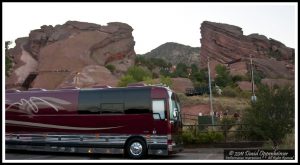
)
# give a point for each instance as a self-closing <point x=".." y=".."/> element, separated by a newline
<point x="158" y="107"/>
<point x="112" y="108"/>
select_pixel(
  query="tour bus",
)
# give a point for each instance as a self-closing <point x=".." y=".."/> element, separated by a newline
<point x="134" y="120"/>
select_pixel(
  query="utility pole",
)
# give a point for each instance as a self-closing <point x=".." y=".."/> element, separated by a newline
<point x="210" y="94"/>
<point x="253" y="97"/>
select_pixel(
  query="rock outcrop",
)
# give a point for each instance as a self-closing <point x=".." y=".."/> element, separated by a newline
<point x="226" y="43"/>
<point x="180" y="84"/>
<point x="277" y="82"/>
<point x="175" y="53"/>
<point x="62" y="52"/>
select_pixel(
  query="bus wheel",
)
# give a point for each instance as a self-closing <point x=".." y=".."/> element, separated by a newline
<point x="136" y="148"/>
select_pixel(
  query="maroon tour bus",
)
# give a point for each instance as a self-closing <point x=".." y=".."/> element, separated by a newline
<point x="134" y="121"/>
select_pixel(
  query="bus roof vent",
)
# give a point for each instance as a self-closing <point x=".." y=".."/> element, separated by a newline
<point x="11" y="90"/>
<point x="36" y="89"/>
<point x="136" y="85"/>
<point x="101" y="86"/>
<point x="160" y="85"/>
<point x="66" y="88"/>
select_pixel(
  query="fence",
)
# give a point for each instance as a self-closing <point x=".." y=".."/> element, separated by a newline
<point x="231" y="131"/>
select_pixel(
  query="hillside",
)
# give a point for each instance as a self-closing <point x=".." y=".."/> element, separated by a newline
<point x="175" y="53"/>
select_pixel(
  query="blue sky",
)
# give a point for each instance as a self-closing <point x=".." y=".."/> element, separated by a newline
<point x="157" y="23"/>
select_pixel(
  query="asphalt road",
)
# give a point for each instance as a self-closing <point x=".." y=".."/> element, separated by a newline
<point x="188" y="154"/>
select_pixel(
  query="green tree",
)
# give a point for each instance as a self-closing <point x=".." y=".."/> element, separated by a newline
<point x="200" y="76"/>
<point x="271" y="117"/>
<point x="134" y="74"/>
<point x="138" y="73"/>
<point x="223" y="78"/>
<point x="159" y="62"/>
<point x="8" y="60"/>
<point x="125" y="80"/>
<point x="194" y="68"/>
<point x="181" y="70"/>
<point x="166" y="80"/>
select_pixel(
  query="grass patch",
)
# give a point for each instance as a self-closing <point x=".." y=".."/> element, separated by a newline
<point x="220" y="103"/>
<point x="287" y="143"/>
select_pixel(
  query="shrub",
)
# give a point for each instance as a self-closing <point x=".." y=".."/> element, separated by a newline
<point x="125" y="80"/>
<point x="135" y="74"/>
<point x="227" y="123"/>
<point x="230" y="91"/>
<point x="166" y="80"/>
<point x="191" y="137"/>
<point x="237" y="78"/>
<point x="148" y="80"/>
<point x="111" y="67"/>
<point x="210" y="137"/>
<point x="271" y="117"/>
<point x="138" y="73"/>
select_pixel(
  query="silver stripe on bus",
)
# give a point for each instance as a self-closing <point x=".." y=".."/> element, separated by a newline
<point x="24" y="123"/>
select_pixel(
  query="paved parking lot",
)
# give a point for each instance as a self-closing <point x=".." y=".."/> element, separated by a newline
<point x="188" y="154"/>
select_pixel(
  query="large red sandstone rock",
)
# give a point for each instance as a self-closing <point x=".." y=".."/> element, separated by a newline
<point x="225" y="43"/>
<point x="246" y="85"/>
<point x="238" y="69"/>
<point x="278" y="82"/>
<point x="24" y="63"/>
<point x="91" y="75"/>
<point x="56" y="53"/>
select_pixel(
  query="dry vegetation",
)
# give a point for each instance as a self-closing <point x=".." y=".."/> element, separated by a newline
<point x="232" y="104"/>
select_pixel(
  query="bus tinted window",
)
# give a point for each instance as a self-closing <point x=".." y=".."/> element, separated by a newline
<point x="88" y="102"/>
<point x="112" y="108"/>
<point x="137" y="101"/>
<point x="129" y="101"/>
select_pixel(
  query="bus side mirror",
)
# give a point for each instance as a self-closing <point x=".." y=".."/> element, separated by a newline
<point x="175" y="113"/>
<point x="156" y="116"/>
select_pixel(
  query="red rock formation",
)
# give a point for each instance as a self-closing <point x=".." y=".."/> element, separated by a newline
<point x="63" y="50"/>
<point x="180" y="84"/>
<point x="246" y="86"/>
<point x="225" y="43"/>
<point x="277" y="82"/>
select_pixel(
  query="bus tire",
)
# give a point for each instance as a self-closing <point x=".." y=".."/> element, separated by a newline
<point x="136" y="148"/>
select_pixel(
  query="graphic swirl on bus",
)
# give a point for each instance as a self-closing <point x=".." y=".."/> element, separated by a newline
<point x="33" y="104"/>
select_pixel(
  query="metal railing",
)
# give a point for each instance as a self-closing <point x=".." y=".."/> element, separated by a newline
<point x="231" y="132"/>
